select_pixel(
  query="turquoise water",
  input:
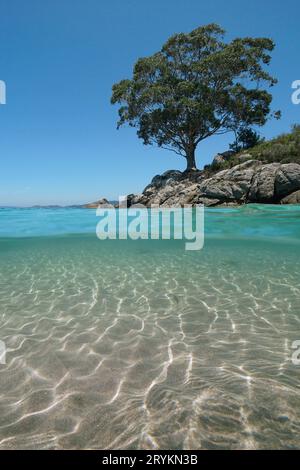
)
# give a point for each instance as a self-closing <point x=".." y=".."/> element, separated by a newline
<point x="141" y="344"/>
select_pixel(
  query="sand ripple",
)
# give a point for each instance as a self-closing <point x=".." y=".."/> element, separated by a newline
<point x="139" y="346"/>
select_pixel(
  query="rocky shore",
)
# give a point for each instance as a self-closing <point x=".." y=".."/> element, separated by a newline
<point x="251" y="181"/>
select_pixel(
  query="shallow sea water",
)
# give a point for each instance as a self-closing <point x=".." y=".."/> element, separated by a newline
<point x="141" y="344"/>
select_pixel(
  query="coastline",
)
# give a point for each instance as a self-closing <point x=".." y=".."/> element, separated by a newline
<point x="249" y="182"/>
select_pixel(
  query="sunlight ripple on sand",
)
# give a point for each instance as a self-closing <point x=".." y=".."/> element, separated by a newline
<point x="147" y="347"/>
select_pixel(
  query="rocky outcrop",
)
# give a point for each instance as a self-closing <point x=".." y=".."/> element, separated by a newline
<point x="249" y="182"/>
<point x="222" y="157"/>
<point x="231" y="185"/>
<point x="170" y="189"/>
<point x="101" y="203"/>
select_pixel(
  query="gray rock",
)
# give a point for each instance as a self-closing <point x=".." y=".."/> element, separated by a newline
<point x="166" y="178"/>
<point x="231" y="185"/>
<point x="293" y="198"/>
<point x="250" y="181"/>
<point x="208" y="202"/>
<point x="222" y="157"/>
<point x="218" y="159"/>
<point x="263" y="184"/>
<point x="287" y="179"/>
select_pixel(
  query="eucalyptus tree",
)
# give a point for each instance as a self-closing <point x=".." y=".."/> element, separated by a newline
<point x="195" y="87"/>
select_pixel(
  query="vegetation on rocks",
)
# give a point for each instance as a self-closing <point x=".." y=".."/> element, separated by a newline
<point x="282" y="149"/>
<point x="267" y="173"/>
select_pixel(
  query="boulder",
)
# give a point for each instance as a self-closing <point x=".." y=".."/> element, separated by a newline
<point x="287" y="180"/>
<point x="231" y="185"/>
<point x="222" y="157"/>
<point x="293" y="198"/>
<point x="218" y="159"/>
<point x="166" y="178"/>
<point x="172" y="188"/>
<point x="263" y="184"/>
<point x="226" y="156"/>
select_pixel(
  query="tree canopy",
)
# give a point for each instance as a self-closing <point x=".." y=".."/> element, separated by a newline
<point x="245" y="138"/>
<point x="197" y="86"/>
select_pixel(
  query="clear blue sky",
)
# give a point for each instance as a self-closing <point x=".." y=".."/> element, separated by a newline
<point x="59" y="59"/>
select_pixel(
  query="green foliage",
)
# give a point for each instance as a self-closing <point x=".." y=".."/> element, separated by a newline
<point x="282" y="149"/>
<point x="197" y="86"/>
<point x="245" y="138"/>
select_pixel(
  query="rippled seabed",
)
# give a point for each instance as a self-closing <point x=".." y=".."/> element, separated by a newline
<point x="123" y="344"/>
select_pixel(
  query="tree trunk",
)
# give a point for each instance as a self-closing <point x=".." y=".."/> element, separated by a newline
<point x="191" y="161"/>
